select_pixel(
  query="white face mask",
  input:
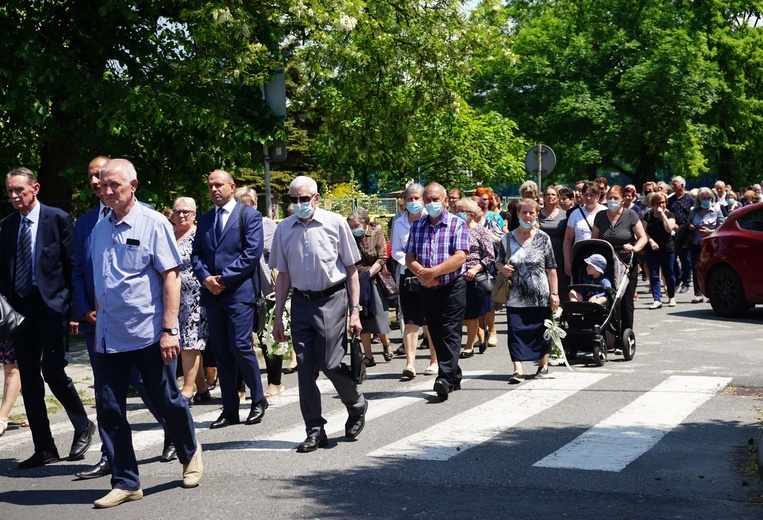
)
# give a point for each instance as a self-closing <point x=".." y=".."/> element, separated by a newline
<point x="613" y="205"/>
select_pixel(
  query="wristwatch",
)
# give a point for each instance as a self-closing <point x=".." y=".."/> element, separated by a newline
<point x="172" y="332"/>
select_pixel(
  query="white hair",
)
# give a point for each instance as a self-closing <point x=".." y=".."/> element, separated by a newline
<point x="188" y="201"/>
<point x="303" y="180"/>
<point x="121" y="165"/>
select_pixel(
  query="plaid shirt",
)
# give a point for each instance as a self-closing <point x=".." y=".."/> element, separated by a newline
<point x="434" y="243"/>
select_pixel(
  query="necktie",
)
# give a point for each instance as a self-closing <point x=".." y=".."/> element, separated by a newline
<point x="24" y="259"/>
<point x="105" y="212"/>
<point x="219" y="225"/>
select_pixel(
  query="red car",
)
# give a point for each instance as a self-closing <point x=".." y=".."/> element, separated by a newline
<point x="730" y="266"/>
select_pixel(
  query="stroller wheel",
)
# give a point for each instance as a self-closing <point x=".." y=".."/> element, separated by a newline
<point x="600" y="355"/>
<point x="628" y="344"/>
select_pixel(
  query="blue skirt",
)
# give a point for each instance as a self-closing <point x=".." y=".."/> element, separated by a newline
<point x="526" y="330"/>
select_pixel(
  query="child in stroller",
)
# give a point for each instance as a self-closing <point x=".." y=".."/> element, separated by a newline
<point x="595" y="267"/>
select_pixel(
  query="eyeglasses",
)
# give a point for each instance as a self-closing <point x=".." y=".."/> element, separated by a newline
<point x="182" y="211"/>
<point x="302" y="199"/>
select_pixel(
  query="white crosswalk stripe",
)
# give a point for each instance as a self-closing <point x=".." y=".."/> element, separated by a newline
<point x="466" y="430"/>
<point x="631" y="431"/>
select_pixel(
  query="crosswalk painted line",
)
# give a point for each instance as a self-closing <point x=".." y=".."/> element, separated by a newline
<point x="382" y="405"/>
<point x="631" y="431"/>
<point x="477" y="425"/>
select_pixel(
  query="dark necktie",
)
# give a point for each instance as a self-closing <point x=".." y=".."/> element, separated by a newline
<point x="24" y="259"/>
<point x="105" y="212"/>
<point x="219" y="225"/>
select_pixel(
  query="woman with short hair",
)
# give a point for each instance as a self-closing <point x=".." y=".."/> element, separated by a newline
<point x="704" y="218"/>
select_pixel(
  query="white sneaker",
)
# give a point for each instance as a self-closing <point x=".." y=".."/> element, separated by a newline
<point x="409" y="371"/>
<point x="432" y="370"/>
<point x="655" y="305"/>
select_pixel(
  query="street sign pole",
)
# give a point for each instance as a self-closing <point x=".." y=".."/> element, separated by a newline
<point x="540" y="160"/>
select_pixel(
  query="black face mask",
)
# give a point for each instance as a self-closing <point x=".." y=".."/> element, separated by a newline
<point x="647" y="193"/>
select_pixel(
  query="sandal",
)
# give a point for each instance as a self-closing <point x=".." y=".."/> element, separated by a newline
<point x="466" y="353"/>
<point x="388" y="353"/>
<point x="290" y="369"/>
<point x="3" y="427"/>
<point x="202" y="397"/>
<point x="274" y="390"/>
<point x="698" y="299"/>
<point x="369" y="361"/>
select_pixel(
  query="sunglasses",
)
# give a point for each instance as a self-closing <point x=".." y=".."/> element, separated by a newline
<point x="302" y="199"/>
<point x="182" y="212"/>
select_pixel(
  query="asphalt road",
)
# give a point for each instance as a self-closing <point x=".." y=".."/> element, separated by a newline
<point x="664" y="436"/>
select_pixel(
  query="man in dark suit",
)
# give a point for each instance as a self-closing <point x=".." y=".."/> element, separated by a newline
<point x="36" y="262"/>
<point x="84" y="309"/>
<point x="226" y="253"/>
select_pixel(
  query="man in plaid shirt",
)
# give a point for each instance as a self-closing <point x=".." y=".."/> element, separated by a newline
<point x="436" y="253"/>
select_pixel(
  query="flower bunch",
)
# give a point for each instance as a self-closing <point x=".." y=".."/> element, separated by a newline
<point x="276" y="349"/>
<point x="555" y="334"/>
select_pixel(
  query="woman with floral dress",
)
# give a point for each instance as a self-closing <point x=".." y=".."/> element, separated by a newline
<point x="192" y="318"/>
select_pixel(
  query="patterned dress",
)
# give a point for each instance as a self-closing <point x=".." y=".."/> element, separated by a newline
<point x="528" y="304"/>
<point x="192" y="317"/>
<point x="373" y="250"/>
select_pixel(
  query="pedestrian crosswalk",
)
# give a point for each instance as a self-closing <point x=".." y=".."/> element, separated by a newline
<point x="610" y="445"/>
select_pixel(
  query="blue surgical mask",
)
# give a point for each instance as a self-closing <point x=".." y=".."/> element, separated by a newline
<point x="526" y="225"/>
<point x="414" y="207"/>
<point x="461" y="215"/>
<point x="705" y="203"/>
<point x="358" y="232"/>
<point x="434" y="209"/>
<point x="613" y="205"/>
<point x="303" y="209"/>
<point x="729" y="201"/>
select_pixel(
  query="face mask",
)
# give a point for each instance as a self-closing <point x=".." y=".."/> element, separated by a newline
<point x="462" y="216"/>
<point x="434" y="209"/>
<point x="705" y="204"/>
<point x="526" y="225"/>
<point x="358" y="232"/>
<point x="613" y="205"/>
<point x="729" y="201"/>
<point x="414" y="207"/>
<point x="303" y="209"/>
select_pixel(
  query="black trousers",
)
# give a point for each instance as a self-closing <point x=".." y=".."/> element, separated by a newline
<point x="444" y="311"/>
<point x="42" y="351"/>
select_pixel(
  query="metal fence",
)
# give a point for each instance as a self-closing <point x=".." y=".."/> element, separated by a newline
<point x="375" y="207"/>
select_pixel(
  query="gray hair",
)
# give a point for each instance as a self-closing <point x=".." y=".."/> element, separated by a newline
<point x="303" y="180"/>
<point x="188" y="201"/>
<point x="358" y="215"/>
<point x="527" y="188"/>
<point x="680" y="180"/>
<point x="413" y="188"/>
<point x="23" y="172"/>
<point x="700" y="192"/>
<point x="246" y="195"/>
<point x="122" y="165"/>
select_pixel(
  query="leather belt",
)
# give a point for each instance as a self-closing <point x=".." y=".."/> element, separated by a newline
<point x="317" y="295"/>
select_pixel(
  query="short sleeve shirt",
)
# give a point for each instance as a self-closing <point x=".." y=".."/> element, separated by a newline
<point x="314" y="253"/>
<point x="129" y="258"/>
<point x="581" y="221"/>
<point x="435" y="243"/>
<point x="619" y="234"/>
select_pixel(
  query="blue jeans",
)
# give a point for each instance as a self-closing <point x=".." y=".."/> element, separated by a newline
<point x="664" y="260"/>
<point x="114" y="372"/>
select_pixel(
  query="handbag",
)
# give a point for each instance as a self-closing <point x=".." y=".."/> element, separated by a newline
<point x="483" y="284"/>
<point x="10" y="320"/>
<point x="260" y="313"/>
<point x="388" y="283"/>
<point x="356" y="361"/>
<point x="501" y="288"/>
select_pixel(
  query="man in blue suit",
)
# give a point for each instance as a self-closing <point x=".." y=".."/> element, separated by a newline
<point x="226" y="252"/>
<point x="84" y="309"/>
<point x="36" y="262"/>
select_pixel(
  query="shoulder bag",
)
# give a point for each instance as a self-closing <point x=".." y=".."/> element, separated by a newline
<point x="10" y="320"/>
<point x="483" y="283"/>
<point x="501" y="289"/>
<point x="388" y="283"/>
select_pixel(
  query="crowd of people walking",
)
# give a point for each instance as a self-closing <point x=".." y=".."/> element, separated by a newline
<point x="162" y="298"/>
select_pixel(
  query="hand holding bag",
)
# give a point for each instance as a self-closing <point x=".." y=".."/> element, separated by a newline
<point x="10" y="320"/>
<point x="388" y="283"/>
<point x="356" y="361"/>
<point x="501" y="288"/>
<point x="483" y="283"/>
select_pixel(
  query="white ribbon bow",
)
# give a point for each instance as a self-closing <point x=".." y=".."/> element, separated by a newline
<point x="555" y="333"/>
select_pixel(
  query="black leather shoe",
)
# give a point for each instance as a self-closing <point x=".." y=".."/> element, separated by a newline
<point x="257" y="412"/>
<point x="224" y="420"/>
<point x="355" y="424"/>
<point x="400" y="350"/>
<point x="442" y="390"/>
<point x="169" y="452"/>
<point x="40" y="458"/>
<point x="101" y="469"/>
<point x="313" y="443"/>
<point x="82" y="442"/>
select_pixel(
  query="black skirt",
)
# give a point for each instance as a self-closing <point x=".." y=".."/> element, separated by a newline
<point x="526" y="328"/>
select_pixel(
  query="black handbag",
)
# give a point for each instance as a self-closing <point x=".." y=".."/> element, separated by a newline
<point x="483" y="284"/>
<point x="10" y="320"/>
<point x="357" y="365"/>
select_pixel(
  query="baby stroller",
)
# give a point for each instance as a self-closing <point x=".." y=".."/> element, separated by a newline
<point x="591" y="327"/>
